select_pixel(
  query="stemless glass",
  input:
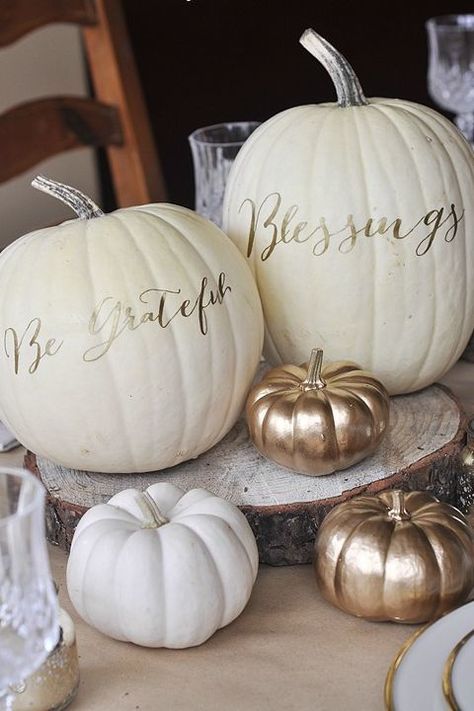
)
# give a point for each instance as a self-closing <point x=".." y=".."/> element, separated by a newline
<point x="451" y="67"/>
<point x="214" y="149"/>
<point x="29" y="627"/>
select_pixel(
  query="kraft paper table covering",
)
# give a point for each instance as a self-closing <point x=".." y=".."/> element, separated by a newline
<point x="289" y="649"/>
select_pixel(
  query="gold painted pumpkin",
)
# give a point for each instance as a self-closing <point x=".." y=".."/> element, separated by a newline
<point x="404" y="557"/>
<point x="317" y="420"/>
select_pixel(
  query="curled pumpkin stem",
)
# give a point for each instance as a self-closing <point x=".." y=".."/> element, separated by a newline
<point x="83" y="206"/>
<point x="348" y="88"/>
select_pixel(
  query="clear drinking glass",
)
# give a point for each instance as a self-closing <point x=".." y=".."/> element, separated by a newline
<point x="29" y="627"/>
<point x="214" y="149"/>
<point x="451" y="67"/>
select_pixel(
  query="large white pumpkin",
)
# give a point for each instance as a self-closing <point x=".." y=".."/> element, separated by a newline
<point x="128" y="341"/>
<point x="357" y="219"/>
<point x="162" y="568"/>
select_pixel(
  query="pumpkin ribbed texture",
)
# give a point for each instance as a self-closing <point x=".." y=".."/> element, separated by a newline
<point x="411" y="570"/>
<point x="162" y="584"/>
<point x="404" y="316"/>
<point x="157" y="395"/>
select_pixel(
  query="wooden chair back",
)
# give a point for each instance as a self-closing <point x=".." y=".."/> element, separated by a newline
<point x="115" y="119"/>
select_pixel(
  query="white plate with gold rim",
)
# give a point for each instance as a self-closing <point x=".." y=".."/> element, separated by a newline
<point x="458" y="677"/>
<point x="415" y="678"/>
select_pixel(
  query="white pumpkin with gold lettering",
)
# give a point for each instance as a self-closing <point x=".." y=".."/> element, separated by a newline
<point x="129" y="340"/>
<point x="357" y="219"/>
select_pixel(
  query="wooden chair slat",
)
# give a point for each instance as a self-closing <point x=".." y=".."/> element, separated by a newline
<point x="135" y="167"/>
<point x="33" y="131"/>
<point x="18" y="17"/>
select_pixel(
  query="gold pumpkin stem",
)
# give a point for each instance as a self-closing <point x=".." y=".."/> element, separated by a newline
<point x="398" y="511"/>
<point x="348" y="89"/>
<point x="157" y="517"/>
<point x="313" y="380"/>
<point x="83" y="206"/>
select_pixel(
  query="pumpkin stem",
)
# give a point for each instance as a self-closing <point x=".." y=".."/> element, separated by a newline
<point x="348" y="89"/>
<point x="83" y="206"/>
<point x="398" y="511"/>
<point x="313" y="380"/>
<point x="151" y="508"/>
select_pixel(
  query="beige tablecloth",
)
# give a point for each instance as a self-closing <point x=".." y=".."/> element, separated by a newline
<point x="288" y="651"/>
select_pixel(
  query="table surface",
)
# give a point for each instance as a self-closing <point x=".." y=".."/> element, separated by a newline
<point x="289" y="650"/>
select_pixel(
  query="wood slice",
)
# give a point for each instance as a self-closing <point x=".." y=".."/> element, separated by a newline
<point x="420" y="451"/>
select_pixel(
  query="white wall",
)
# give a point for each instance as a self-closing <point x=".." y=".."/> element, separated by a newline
<point x="46" y="62"/>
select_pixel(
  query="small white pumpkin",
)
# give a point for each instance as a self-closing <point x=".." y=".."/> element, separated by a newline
<point x="162" y="568"/>
<point x="128" y="341"/>
<point x="357" y="219"/>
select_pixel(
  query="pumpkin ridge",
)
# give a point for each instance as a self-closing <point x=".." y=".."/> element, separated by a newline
<point x="181" y="235"/>
<point x="85" y="246"/>
<point x="286" y="392"/>
<point x="420" y="124"/>
<point x="435" y="118"/>
<point x="269" y="155"/>
<point x="90" y="618"/>
<point x="347" y="376"/>
<point x="338" y="589"/>
<point x="234" y="534"/>
<point x="380" y="107"/>
<point x="393" y="523"/>
<point x="235" y="351"/>
<point x="158" y="548"/>
<point x="210" y="558"/>
<point x="456" y="527"/>
<point x="372" y="269"/>
<point x="211" y="349"/>
<point x="159" y="542"/>
<point x="279" y="379"/>
<point x="368" y="408"/>
<point x="263" y="425"/>
<point x="441" y="585"/>
<point x="316" y="141"/>
<point x="132" y="521"/>
<point x="151" y="421"/>
<point x="306" y="111"/>
<point x="427" y="511"/>
<point x="359" y="378"/>
<point x="439" y="531"/>
<point x="400" y="113"/>
<point x="123" y="230"/>
<point x="231" y="390"/>
<point x="178" y="236"/>
<point x="325" y="397"/>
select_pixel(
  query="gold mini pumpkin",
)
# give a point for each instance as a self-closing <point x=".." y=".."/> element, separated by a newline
<point x="404" y="557"/>
<point x="317" y="420"/>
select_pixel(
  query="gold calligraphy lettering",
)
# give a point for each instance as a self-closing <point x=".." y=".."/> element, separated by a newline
<point x="111" y="317"/>
<point x="275" y="225"/>
<point x="16" y="347"/>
